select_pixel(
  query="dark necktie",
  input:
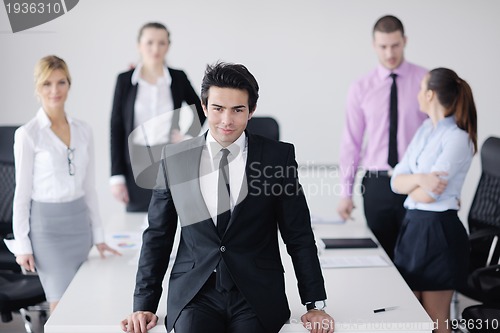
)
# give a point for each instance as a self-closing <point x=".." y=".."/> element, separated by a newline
<point x="224" y="282"/>
<point x="393" y="124"/>
<point x="223" y="201"/>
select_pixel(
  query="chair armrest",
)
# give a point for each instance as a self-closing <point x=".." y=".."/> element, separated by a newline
<point x="484" y="233"/>
<point x="487" y="279"/>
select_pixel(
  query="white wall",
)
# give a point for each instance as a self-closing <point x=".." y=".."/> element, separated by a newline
<point x="303" y="53"/>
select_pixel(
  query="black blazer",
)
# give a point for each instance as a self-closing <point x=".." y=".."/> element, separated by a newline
<point x="251" y="250"/>
<point x="122" y="115"/>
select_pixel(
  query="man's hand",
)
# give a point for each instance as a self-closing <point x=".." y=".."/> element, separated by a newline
<point x="433" y="182"/>
<point x="318" y="321"/>
<point x="27" y="261"/>
<point x="139" y="322"/>
<point x="120" y="192"/>
<point x="344" y="208"/>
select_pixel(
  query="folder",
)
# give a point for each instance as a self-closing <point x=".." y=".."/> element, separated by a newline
<point x="349" y="243"/>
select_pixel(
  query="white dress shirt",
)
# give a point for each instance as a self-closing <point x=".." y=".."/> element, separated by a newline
<point x="43" y="174"/>
<point x="209" y="171"/>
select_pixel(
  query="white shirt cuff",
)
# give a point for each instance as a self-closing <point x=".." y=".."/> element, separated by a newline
<point x="117" y="180"/>
<point x="19" y="246"/>
<point x="97" y="235"/>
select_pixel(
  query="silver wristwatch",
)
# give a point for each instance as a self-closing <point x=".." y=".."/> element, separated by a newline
<point x="318" y="305"/>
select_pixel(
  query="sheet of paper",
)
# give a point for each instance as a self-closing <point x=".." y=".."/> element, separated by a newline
<point x="352" y="261"/>
<point x="315" y="219"/>
<point x="124" y="240"/>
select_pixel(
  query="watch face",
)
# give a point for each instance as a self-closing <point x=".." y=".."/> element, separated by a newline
<point x="320" y="305"/>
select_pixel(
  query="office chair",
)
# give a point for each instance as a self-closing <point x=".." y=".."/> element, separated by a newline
<point x="483" y="283"/>
<point x="7" y="185"/>
<point x="265" y="126"/>
<point x="481" y="318"/>
<point x="17" y="291"/>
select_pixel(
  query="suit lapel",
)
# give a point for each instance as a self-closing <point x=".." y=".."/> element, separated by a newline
<point x="175" y="89"/>
<point x="176" y="99"/>
<point x="129" y="107"/>
<point x="200" y="142"/>
<point x="252" y="171"/>
<point x="192" y="167"/>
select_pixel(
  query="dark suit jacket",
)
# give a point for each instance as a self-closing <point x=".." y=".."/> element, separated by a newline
<point x="250" y="243"/>
<point x="122" y="115"/>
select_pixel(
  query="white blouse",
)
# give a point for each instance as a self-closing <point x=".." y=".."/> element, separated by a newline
<point x="153" y="100"/>
<point x="43" y="174"/>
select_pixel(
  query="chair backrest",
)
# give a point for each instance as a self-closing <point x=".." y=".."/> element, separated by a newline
<point x="485" y="209"/>
<point x="265" y="126"/>
<point x="7" y="178"/>
<point x="484" y="214"/>
<point x="7" y="143"/>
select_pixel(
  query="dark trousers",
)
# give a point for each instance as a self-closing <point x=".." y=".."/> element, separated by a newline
<point x="218" y="312"/>
<point x="139" y="197"/>
<point x="384" y="209"/>
<point x="141" y="175"/>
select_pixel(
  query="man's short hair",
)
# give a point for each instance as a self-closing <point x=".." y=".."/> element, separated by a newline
<point x="228" y="75"/>
<point x="389" y="24"/>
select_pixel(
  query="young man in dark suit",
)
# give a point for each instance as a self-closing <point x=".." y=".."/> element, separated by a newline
<point x="232" y="191"/>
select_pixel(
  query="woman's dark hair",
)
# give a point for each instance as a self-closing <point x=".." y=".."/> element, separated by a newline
<point x="227" y="75"/>
<point x="154" y="25"/>
<point x="455" y="95"/>
<point x="389" y="24"/>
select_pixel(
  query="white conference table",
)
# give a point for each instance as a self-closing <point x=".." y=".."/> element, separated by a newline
<point x="100" y="295"/>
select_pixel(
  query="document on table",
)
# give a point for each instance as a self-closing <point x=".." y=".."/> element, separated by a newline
<point x="315" y="219"/>
<point x="124" y="240"/>
<point x="353" y="261"/>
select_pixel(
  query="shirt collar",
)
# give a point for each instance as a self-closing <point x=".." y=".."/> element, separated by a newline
<point x="44" y="119"/>
<point x="384" y="72"/>
<point x="234" y="148"/>
<point x="136" y="75"/>
<point x="447" y="121"/>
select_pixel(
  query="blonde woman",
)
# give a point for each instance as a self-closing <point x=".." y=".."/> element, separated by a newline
<point x="55" y="218"/>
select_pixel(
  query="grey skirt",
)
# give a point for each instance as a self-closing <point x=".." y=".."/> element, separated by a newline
<point x="61" y="237"/>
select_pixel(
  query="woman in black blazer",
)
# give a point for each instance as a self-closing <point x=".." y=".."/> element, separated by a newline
<point x="145" y="116"/>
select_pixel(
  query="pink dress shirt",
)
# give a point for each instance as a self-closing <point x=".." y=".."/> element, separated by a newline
<point x="365" y="141"/>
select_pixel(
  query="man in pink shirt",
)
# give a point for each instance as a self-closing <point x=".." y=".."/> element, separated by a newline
<point x="382" y="115"/>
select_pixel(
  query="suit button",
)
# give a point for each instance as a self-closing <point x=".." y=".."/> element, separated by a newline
<point x="222" y="248"/>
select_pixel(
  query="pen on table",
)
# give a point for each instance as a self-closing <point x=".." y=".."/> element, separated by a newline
<point x="385" y="309"/>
